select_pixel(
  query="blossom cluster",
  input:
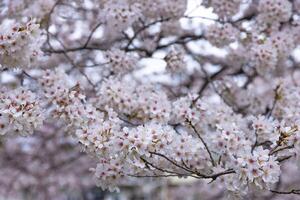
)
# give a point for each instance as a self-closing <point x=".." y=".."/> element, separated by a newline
<point x="21" y="111"/>
<point x="225" y="9"/>
<point x="275" y="49"/>
<point x="161" y="8"/>
<point x="274" y="12"/>
<point x="120" y="15"/>
<point x="175" y="60"/>
<point x="222" y="35"/>
<point x="257" y="168"/>
<point x="119" y="62"/>
<point x="141" y="101"/>
<point x="19" y="44"/>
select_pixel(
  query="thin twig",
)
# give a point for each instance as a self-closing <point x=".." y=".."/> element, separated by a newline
<point x="204" y="143"/>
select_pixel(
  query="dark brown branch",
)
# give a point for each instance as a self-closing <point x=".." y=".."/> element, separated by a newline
<point x="73" y="64"/>
<point x="142" y="29"/>
<point x="173" y="162"/>
<point x="204" y="143"/>
<point x="293" y="191"/>
<point x="284" y="158"/>
<point x="147" y="163"/>
<point x="91" y="35"/>
<point x="281" y="149"/>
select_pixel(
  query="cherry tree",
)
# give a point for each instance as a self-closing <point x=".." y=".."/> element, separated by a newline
<point x="157" y="89"/>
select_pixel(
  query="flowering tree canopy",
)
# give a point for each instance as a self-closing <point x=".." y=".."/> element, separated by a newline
<point x="152" y="89"/>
